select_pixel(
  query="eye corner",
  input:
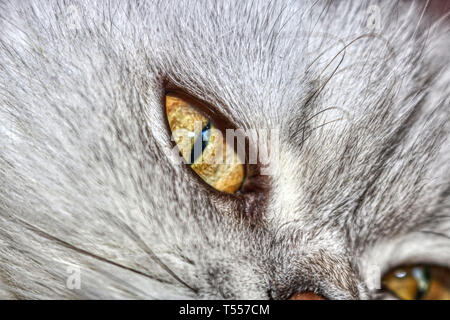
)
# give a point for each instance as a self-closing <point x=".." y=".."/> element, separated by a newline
<point x="202" y="144"/>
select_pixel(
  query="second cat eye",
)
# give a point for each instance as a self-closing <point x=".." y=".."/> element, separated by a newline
<point x="203" y="145"/>
<point x="418" y="282"/>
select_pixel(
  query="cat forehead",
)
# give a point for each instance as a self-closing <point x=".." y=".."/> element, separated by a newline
<point x="239" y="51"/>
<point x="268" y="59"/>
<point x="327" y="82"/>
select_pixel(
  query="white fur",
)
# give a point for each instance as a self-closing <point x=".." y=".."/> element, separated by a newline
<point x="85" y="175"/>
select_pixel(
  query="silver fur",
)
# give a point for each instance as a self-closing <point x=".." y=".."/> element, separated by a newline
<point x="360" y="182"/>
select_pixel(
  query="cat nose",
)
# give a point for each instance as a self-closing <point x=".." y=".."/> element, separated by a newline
<point x="305" y="296"/>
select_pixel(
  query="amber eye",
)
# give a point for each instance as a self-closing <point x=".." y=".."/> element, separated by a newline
<point x="418" y="283"/>
<point x="203" y="146"/>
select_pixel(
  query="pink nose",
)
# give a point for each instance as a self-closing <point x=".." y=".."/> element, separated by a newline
<point x="306" y="296"/>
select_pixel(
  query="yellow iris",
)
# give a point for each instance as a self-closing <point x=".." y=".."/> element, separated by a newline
<point x="203" y="146"/>
<point x="418" y="283"/>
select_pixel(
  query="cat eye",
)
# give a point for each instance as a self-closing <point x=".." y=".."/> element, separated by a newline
<point x="418" y="283"/>
<point x="203" y="146"/>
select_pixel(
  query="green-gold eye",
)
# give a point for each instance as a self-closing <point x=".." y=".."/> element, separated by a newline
<point x="203" y="146"/>
<point x="418" y="282"/>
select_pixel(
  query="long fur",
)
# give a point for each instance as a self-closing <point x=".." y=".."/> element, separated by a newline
<point x="359" y="181"/>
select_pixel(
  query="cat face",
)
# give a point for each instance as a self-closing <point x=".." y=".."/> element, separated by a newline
<point x="354" y="117"/>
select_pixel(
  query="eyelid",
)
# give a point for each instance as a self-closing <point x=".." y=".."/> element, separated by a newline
<point x="255" y="186"/>
<point x="408" y="249"/>
<point x="220" y="121"/>
<point x="183" y="113"/>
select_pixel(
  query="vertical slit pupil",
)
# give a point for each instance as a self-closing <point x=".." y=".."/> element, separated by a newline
<point x="202" y="140"/>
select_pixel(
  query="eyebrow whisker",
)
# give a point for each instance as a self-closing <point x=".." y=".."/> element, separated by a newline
<point x="435" y="233"/>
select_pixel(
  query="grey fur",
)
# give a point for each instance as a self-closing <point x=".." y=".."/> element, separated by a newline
<point x="360" y="182"/>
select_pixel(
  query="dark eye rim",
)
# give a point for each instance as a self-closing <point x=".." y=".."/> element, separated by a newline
<point x="252" y="198"/>
<point x="221" y="121"/>
<point x="255" y="187"/>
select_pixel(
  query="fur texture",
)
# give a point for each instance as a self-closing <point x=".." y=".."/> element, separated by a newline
<point x="359" y="183"/>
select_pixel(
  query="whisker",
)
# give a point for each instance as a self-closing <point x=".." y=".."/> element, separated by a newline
<point x="152" y="255"/>
<point x="438" y="234"/>
<point x="318" y="127"/>
<point x="77" y="249"/>
<point x="425" y="7"/>
<point x="100" y="258"/>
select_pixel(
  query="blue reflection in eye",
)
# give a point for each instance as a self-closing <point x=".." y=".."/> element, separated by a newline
<point x="422" y="276"/>
<point x="202" y="140"/>
<point x="401" y="274"/>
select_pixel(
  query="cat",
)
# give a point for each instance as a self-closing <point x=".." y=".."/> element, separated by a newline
<point x="92" y="205"/>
